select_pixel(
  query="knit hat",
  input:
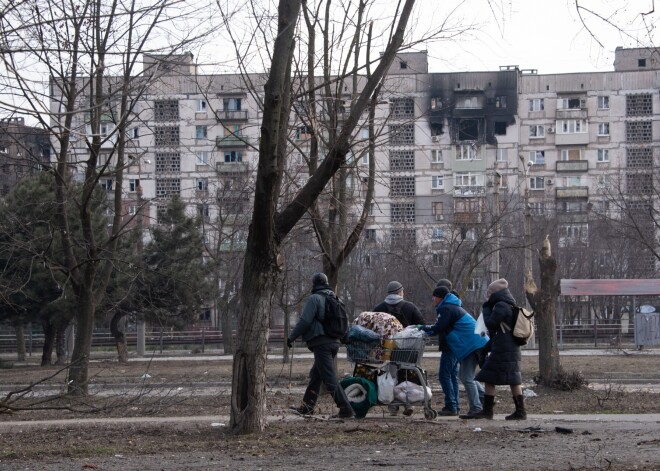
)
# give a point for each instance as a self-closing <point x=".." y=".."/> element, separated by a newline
<point x="440" y="292"/>
<point x="319" y="279"/>
<point x="496" y="286"/>
<point x="394" y="287"/>
<point x="444" y="282"/>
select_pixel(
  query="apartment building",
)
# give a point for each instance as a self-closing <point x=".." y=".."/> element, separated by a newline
<point x="458" y="150"/>
<point x="23" y="151"/>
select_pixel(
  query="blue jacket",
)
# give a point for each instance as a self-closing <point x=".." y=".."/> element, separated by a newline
<point x="457" y="325"/>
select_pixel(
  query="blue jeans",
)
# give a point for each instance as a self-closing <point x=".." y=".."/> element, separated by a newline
<point x="448" y="378"/>
<point x="474" y="389"/>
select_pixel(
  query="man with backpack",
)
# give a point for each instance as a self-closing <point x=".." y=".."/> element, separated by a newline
<point x="311" y="328"/>
<point x="406" y="313"/>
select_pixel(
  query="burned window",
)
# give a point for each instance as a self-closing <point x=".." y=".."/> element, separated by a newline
<point x="500" y="128"/>
<point x="161" y="214"/>
<point x="500" y="101"/>
<point x="401" y="160"/>
<point x="639" y="157"/>
<point x="468" y="130"/>
<point x="166" y="136"/>
<point x="436" y="129"/>
<point x="168" y="187"/>
<point x="402" y="213"/>
<point x="166" y="110"/>
<point x="640" y="104"/>
<point x="404" y="236"/>
<point x="168" y="162"/>
<point x="402" y="135"/>
<point x="402" y="107"/>
<point x="402" y="186"/>
<point x="571" y="103"/>
<point x="639" y="131"/>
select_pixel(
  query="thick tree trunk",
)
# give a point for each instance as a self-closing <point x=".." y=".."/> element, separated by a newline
<point x="20" y="341"/>
<point x="120" y="338"/>
<point x="248" y="406"/>
<point x="227" y="326"/>
<point x="79" y="369"/>
<point x="543" y="303"/>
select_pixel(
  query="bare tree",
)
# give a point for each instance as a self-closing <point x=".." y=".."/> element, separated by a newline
<point x="269" y="226"/>
<point x="91" y="55"/>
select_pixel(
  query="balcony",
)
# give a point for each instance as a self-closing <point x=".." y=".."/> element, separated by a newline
<point x="231" y="115"/>
<point x="572" y="166"/>
<point x="231" y="167"/>
<point x="468" y="218"/>
<point x="469" y="191"/>
<point x="572" y="192"/>
<point x="570" y="139"/>
<point x="572" y="114"/>
<point x="231" y="141"/>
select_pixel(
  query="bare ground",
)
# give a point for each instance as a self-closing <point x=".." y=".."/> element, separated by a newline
<point x="200" y="388"/>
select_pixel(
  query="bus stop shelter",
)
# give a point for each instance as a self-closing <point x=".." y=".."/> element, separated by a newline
<point x="647" y="325"/>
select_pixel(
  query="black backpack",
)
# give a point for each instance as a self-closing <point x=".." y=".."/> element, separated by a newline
<point x="335" y="321"/>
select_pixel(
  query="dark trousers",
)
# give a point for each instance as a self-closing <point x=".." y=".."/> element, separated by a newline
<point x="323" y="372"/>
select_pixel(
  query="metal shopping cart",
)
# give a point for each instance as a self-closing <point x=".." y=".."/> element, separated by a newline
<point x="372" y="358"/>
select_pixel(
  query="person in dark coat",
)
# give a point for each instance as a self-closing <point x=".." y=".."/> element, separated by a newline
<point x="502" y="366"/>
<point x="406" y="313"/>
<point x="324" y="348"/>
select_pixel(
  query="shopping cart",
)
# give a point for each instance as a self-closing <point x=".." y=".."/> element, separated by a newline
<point x="372" y="358"/>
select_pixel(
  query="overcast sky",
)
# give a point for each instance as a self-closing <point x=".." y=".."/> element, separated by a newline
<point x="546" y="35"/>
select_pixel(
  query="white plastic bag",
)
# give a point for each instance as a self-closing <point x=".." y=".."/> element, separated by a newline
<point x="409" y="392"/>
<point x="386" y="383"/>
<point x="480" y="327"/>
<point x="409" y="338"/>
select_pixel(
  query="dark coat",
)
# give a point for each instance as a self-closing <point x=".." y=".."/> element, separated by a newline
<point x="405" y="312"/>
<point x="502" y="365"/>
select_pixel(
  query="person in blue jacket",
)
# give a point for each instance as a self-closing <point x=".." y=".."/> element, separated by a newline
<point x="457" y="326"/>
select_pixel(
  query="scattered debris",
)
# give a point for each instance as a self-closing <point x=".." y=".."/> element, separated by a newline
<point x="533" y="429"/>
<point x="146" y="376"/>
<point x="563" y="430"/>
<point x="477" y="429"/>
<point x="529" y="393"/>
<point x="217" y="424"/>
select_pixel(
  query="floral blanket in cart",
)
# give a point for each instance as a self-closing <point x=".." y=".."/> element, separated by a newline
<point x="385" y="325"/>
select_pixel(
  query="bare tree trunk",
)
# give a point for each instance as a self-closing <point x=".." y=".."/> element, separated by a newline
<point x="79" y="370"/>
<point x="49" y="342"/>
<point x="119" y="336"/>
<point x="543" y="303"/>
<point x="227" y="325"/>
<point x="20" y="340"/>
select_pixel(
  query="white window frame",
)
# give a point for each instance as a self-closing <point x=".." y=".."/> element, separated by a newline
<point x="537" y="183"/>
<point x="562" y="103"/>
<point x="468" y="179"/>
<point x="572" y="126"/>
<point x="202" y="157"/>
<point x="364" y="133"/>
<point x="573" y="181"/>
<point x="437" y="182"/>
<point x="132" y="210"/>
<point x="134" y="133"/>
<point x="437" y="233"/>
<point x="202" y="106"/>
<point x="537" y="157"/>
<point x="365" y="158"/>
<point x="436" y="156"/>
<point x="133" y="184"/>
<point x="536" y="104"/>
<point x="467" y="152"/>
<point x="603" y="155"/>
<point x="603" y="129"/>
<point x="603" y="102"/>
<point x="201" y="132"/>
<point x="236" y="154"/>
<point x="201" y="184"/>
<point x="536" y="131"/>
<point x="501" y="155"/>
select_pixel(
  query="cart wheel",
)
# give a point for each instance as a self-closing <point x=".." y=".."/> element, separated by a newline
<point x="430" y="414"/>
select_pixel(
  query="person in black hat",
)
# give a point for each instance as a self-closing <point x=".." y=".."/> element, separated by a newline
<point x="406" y="313"/>
<point x="324" y="348"/>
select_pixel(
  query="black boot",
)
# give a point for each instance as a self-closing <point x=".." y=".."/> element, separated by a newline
<point x="485" y="413"/>
<point x="303" y="409"/>
<point x="520" y="413"/>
